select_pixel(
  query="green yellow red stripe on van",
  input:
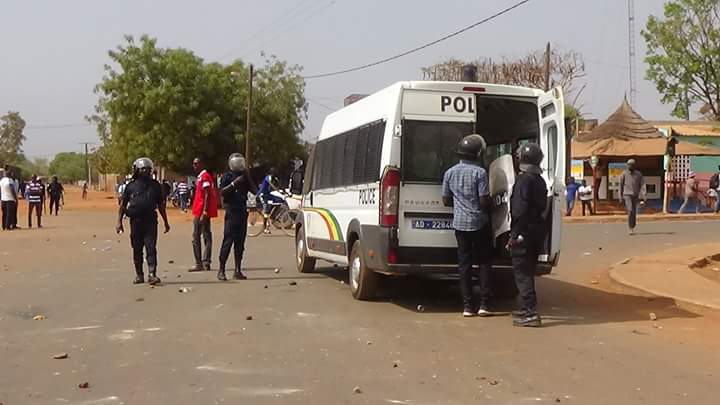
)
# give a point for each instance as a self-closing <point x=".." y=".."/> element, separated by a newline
<point x="330" y="221"/>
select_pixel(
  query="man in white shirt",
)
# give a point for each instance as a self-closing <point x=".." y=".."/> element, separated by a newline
<point x="8" y="196"/>
<point x="586" y="195"/>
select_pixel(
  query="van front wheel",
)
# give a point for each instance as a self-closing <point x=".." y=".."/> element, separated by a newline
<point x="363" y="281"/>
<point x="305" y="264"/>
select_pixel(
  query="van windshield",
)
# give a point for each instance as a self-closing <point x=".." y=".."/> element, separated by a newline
<point x="429" y="149"/>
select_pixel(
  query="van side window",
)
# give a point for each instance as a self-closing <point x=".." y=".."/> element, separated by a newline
<point x="352" y="157"/>
<point x="552" y="148"/>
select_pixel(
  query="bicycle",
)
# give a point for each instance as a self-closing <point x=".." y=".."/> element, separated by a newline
<point x="280" y="217"/>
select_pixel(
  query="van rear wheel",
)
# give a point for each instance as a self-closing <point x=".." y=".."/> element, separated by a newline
<point x="304" y="263"/>
<point x="363" y="281"/>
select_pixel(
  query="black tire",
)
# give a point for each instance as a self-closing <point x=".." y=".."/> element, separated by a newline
<point x="282" y="220"/>
<point x="503" y="284"/>
<point x="304" y="263"/>
<point x="363" y="281"/>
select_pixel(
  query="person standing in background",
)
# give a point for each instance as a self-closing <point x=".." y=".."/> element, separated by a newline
<point x="36" y="199"/>
<point x="204" y="209"/>
<point x="56" y="194"/>
<point x="84" y="191"/>
<point x="692" y="193"/>
<point x="9" y="197"/>
<point x="631" y="188"/>
<point x="570" y="196"/>
<point x="586" y="194"/>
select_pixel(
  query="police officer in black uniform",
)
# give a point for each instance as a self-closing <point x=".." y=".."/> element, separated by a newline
<point x="234" y="187"/>
<point x="527" y="230"/>
<point x="140" y="201"/>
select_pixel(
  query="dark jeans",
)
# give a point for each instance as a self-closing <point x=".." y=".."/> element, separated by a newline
<point x="474" y="246"/>
<point x="38" y="207"/>
<point x="183" y="201"/>
<point x="234" y="234"/>
<point x="144" y="234"/>
<point x="588" y="204"/>
<point x="202" y="228"/>
<point x="54" y="202"/>
<point x="8" y="214"/>
<point x="524" y="262"/>
<point x="631" y="206"/>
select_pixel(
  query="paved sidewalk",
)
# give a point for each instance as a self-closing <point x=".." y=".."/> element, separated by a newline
<point x="668" y="274"/>
<point x="604" y="219"/>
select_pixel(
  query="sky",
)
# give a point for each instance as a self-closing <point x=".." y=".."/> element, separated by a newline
<point x="54" y="51"/>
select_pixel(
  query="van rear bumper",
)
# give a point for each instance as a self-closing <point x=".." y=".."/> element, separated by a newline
<point x="377" y="240"/>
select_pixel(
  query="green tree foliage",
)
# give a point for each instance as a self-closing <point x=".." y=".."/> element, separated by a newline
<point x="684" y="56"/>
<point x="28" y="167"/>
<point x="68" y="166"/>
<point x="11" y="137"/>
<point x="171" y="106"/>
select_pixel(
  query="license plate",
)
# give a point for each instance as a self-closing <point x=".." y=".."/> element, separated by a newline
<point x="439" y="224"/>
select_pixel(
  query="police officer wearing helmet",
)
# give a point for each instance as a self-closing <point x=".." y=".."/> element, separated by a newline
<point x="527" y="230"/>
<point x="465" y="188"/>
<point x="140" y="200"/>
<point x="234" y="187"/>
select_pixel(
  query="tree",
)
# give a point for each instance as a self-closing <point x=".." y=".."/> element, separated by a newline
<point x="169" y="105"/>
<point x="565" y="70"/>
<point x="68" y="166"/>
<point x="11" y="137"/>
<point x="684" y="56"/>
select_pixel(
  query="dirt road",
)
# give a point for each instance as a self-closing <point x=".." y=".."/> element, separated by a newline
<point x="310" y="343"/>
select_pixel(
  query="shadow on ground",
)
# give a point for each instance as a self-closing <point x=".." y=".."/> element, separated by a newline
<point x="561" y="303"/>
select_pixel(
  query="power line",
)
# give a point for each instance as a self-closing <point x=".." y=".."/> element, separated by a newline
<point x="308" y="16"/>
<point x="419" y="48"/>
<point x="319" y="104"/>
<point x="283" y="18"/>
<point x="57" y="126"/>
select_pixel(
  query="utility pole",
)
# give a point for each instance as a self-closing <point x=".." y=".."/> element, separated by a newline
<point x="547" y="67"/>
<point x="631" y="53"/>
<point x="87" y="162"/>
<point x="249" y="114"/>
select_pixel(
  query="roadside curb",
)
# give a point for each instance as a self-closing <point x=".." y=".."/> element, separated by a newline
<point x="617" y="274"/>
<point x="621" y="218"/>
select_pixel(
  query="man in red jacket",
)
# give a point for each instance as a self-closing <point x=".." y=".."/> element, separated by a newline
<point x="203" y="209"/>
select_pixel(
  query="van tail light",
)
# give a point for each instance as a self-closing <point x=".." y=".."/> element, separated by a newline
<point x="392" y="256"/>
<point x="389" y="197"/>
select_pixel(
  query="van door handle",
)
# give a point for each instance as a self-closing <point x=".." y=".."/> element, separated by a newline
<point x="311" y="199"/>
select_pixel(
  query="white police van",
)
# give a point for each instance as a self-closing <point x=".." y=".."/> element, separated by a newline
<point x="372" y="191"/>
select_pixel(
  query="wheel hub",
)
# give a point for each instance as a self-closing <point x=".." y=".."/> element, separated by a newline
<point x="355" y="274"/>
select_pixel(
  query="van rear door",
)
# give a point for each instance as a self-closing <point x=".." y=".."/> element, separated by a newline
<point x="551" y="108"/>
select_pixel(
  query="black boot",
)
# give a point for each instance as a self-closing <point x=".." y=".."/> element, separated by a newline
<point x="152" y="277"/>
<point x="527" y="317"/>
<point x="221" y="273"/>
<point x="139" y="278"/>
<point x="238" y="275"/>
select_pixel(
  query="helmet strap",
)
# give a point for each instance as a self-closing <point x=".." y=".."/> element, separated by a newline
<point x="528" y="168"/>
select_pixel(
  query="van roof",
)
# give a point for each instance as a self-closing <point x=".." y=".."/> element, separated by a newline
<point x="380" y="103"/>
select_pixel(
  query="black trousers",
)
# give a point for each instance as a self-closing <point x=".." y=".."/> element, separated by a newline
<point x="234" y="235"/>
<point x="202" y="228"/>
<point x="38" y="207"/>
<point x="524" y="262"/>
<point x="474" y="247"/>
<point x="8" y="214"/>
<point x="54" y="202"/>
<point x="144" y="234"/>
<point x="588" y="204"/>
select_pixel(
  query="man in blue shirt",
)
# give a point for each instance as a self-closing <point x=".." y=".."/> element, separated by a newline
<point x="465" y="188"/>
<point x="571" y="195"/>
<point x="269" y="184"/>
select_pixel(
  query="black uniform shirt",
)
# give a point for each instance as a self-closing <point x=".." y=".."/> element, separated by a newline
<point x="527" y="205"/>
<point x="138" y="186"/>
<point x="55" y="189"/>
<point x="236" y="197"/>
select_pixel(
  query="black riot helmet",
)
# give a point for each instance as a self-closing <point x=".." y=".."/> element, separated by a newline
<point x="471" y="147"/>
<point x="142" y="167"/>
<point x="236" y="162"/>
<point x="530" y="156"/>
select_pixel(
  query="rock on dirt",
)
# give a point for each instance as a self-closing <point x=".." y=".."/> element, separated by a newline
<point x="38" y="317"/>
<point x="185" y="290"/>
<point x="140" y="299"/>
<point x="171" y="261"/>
<point x="84" y="385"/>
<point x="420" y="308"/>
<point x="357" y="390"/>
<point x="248" y="318"/>
<point x="60" y="356"/>
<point x="653" y="317"/>
<point x="292" y="283"/>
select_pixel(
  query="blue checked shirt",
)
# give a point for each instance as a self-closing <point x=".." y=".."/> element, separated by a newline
<point x="466" y="182"/>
